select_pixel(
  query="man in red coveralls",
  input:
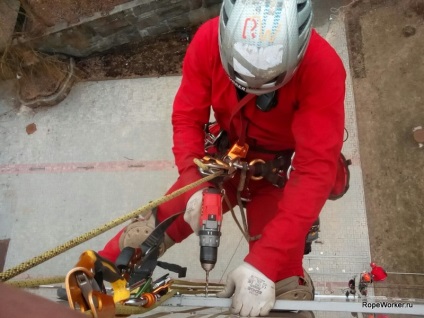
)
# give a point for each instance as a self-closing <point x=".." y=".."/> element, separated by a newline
<point x="269" y="49"/>
<point x="378" y="273"/>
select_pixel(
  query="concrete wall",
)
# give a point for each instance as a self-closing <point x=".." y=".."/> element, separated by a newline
<point x="129" y="22"/>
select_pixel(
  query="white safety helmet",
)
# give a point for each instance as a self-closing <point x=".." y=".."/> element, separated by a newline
<point x="263" y="41"/>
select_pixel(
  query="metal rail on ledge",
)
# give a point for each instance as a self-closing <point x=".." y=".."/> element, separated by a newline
<point x="321" y="303"/>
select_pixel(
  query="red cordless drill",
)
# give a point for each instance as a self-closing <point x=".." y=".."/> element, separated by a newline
<point x="210" y="230"/>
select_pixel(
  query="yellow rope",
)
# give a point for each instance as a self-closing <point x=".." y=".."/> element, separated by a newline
<point x="95" y="232"/>
<point x="35" y="282"/>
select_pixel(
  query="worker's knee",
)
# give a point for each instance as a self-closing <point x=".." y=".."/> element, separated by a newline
<point x="138" y="231"/>
<point x="295" y="288"/>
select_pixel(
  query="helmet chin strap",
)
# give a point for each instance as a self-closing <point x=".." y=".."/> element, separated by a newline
<point x="264" y="102"/>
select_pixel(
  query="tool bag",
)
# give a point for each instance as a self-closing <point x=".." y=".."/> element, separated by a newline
<point x="342" y="178"/>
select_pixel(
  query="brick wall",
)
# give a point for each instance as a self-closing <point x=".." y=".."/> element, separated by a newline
<point x="129" y="22"/>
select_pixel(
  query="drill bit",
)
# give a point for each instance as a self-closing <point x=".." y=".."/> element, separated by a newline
<point x="207" y="283"/>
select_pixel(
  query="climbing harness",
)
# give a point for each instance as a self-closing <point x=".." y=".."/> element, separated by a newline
<point x="220" y="156"/>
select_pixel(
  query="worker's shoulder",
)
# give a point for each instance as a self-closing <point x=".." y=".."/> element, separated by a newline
<point x="321" y="54"/>
<point x="318" y="45"/>
<point x="208" y="28"/>
<point x="205" y="40"/>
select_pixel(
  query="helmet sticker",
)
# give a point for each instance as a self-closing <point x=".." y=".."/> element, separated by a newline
<point x="262" y="58"/>
<point x="262" y="29"/>
<point x="249" y="28"/>
<point x="239" y="68"/>
<point x="263" y="22"/>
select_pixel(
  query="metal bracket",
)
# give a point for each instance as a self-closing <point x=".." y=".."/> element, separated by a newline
<point x="321" y="303"/>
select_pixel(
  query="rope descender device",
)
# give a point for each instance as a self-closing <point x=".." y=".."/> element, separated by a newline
<point x="229" y="163"/>
<point x="130" y="277"/>
<point x="86" y="292"/>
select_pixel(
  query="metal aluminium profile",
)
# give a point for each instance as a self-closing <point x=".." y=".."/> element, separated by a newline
<point x="378" y="306"/>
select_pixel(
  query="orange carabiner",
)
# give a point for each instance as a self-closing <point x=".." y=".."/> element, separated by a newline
<point x="251" y="164"/>
<point x="84" y="294"/>
<point x="237" y="151"/>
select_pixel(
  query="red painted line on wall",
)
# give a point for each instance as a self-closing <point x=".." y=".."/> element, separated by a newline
<point x="113" y="166"/>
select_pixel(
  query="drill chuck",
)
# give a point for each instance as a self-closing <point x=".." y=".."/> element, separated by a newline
<point x="209" y="242"/>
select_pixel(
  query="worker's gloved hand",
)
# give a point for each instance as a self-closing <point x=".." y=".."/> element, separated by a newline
<point x="253" y="293"/>
<point x="193" y="211"/>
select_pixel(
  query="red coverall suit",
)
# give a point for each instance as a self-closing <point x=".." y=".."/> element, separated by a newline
<point x="309" y="118"/>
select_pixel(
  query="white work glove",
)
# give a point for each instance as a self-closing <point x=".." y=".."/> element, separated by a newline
<point x="253" y="292"/>
<point x="193" y="211"/>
